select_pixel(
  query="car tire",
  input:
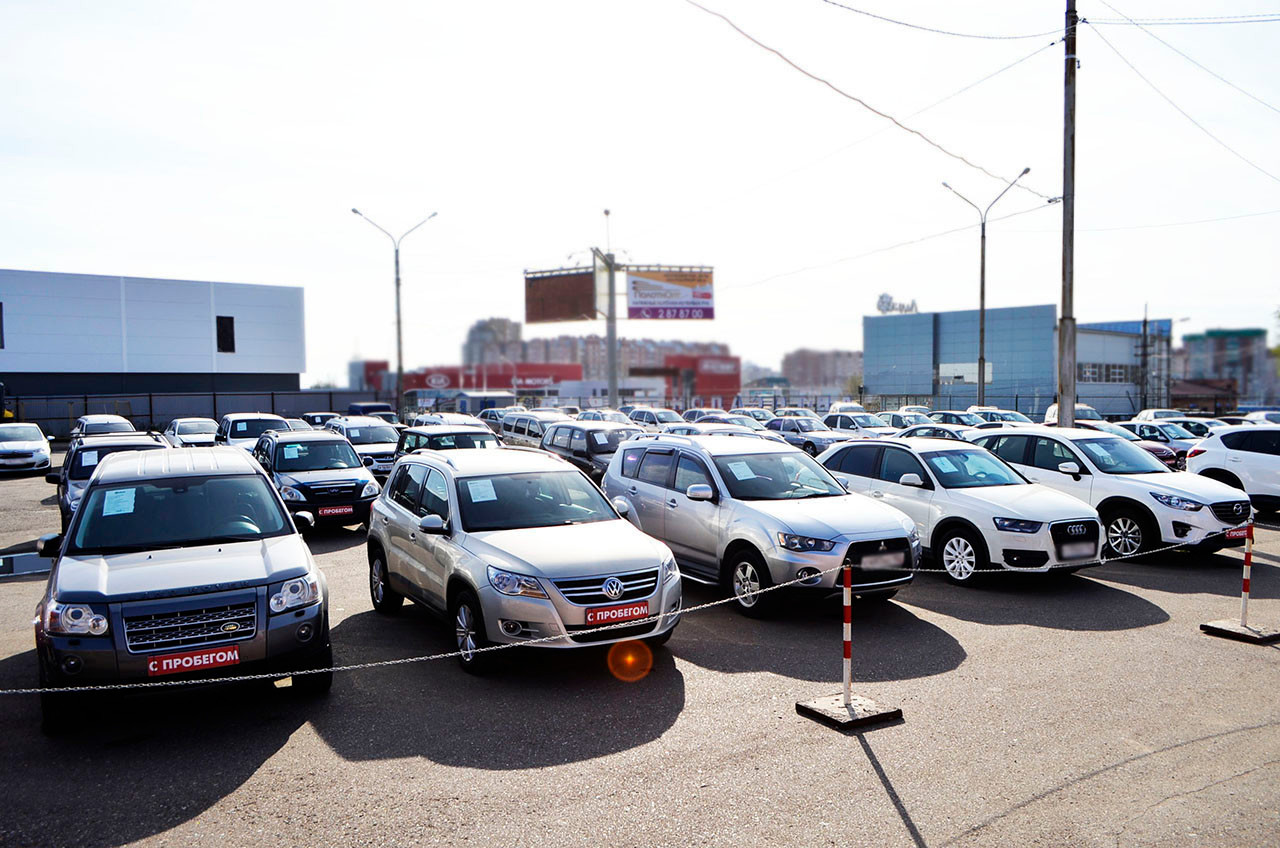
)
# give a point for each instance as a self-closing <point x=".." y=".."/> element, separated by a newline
<point x="962" y="556"/>
<point x="320" y="682"/>
<point x="810" y="449"/>
<point x="469" y="633"/>
<point x="385" y="599"/>
<point x="748" y="577"/>
<point x="1128" y="532"/>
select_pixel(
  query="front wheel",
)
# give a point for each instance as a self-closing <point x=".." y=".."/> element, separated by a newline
<point x="749" y="579"/>
<point x="961" y="555"/>
<point x="385" y="599"/>
<point x="469" y="633"/>
<point x="810" y="449"/>
<point x="1128" y="532"/>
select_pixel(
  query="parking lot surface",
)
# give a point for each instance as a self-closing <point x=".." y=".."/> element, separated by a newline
<point x="1082" y="710"/>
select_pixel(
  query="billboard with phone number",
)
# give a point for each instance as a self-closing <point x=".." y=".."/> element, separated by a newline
<point x="669" y="292"/>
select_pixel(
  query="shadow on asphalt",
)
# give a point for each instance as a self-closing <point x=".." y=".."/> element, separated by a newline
<point x="1190" y="574"/>
<point x="331" y="538"/>
<point x="1061" y="602"/>
<point x="803" y="639"/>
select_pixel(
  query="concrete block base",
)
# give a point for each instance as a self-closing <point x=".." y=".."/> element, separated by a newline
<point x="831" y="711"/>
<point x="1231" y="629"/>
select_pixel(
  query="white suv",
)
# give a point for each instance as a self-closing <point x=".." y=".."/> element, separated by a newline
<point x="971" y="508"/>
<point x="1246" y="457"/>
<point x="1142" y="503"/>
<point x="653" y="419"/>
<point x="750" y="513"/>
<point x="514" y="545"/>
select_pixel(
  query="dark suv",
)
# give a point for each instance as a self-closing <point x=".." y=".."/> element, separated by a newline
<point x="318" y="471"/>
<point x="590" y="445"/>
<point x="83" y="455"/>
<point x="179" y="564"/>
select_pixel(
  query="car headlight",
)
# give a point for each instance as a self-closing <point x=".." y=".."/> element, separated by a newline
<point x="804" y="543"/>
<point x="74" y="619"/>
<point x="301" y="592"/>
<point x="370" y="489"/>
<point x="291" y="494"/>
<point x="670" y="571"/>
<point x="1175" y="502"/>
<point x="514" y="584"/>
<point x="1017" y="525"/>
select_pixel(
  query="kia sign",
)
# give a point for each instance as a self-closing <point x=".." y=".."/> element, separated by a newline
<point x="438" y="381"/>
<point x="669" y="292"/>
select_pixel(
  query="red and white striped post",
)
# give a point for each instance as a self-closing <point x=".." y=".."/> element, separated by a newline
<point x="1242" y="631"/>
<point x="847" y="571"/>
<point x="1248" y="568"/>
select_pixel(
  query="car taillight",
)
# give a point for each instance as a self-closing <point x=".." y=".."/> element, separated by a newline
<point x="1195" y="452"/>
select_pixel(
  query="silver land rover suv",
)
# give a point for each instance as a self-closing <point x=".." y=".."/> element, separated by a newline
<point x="515" y="544"/>
<point x="749" y="513"/>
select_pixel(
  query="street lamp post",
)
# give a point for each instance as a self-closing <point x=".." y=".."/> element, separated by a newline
<point x="982" y="282"/>
<point x="395" y="243"/>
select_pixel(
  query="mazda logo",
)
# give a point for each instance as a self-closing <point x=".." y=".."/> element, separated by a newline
<point x="613" y="588"/>
<point x="1077" y="530"/>
<point x="1240" y="508"/>
<point x="230" y="627"/>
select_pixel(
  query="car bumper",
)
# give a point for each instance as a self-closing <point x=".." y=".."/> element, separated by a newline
<point x="786" y="566"/>
<point x="540" y="618"/>
<point x="23" y="463"/>
<point x="1201" y="527"/>
<point x="1040" y="551"/>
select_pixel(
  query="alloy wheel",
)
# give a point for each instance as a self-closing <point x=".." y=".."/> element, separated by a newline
<point x="376" y="584"/>
<point x="465" y="629"/>
<point x="746" y="584"/>
<point x="959" y="558"/>
<point x="1124" y="535"/>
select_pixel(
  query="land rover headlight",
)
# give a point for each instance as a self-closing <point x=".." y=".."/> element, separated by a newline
<point x="74" y="619"/>
<point x="370" y="489"/>
<point x="509" y="583"/>
<point x="300" y="592"/>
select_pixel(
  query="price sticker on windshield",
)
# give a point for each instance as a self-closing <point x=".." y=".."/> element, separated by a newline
<point x="118" y="502"/>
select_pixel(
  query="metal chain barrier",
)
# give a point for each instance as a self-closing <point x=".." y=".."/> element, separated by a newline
<point x="244" y="678"/>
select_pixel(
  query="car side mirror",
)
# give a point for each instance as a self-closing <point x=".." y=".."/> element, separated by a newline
<point x="48" y="545"/>
<point x="1069" y="468"/>
<point x="432" y="524"/>
<point x="304" y="520"/>
<point x="845" y="483"/>
<point x="700" y="492"/>
<point x="911" y="479"/>
<point x="621" y="505"/>
<point x="54" y="477"/>
<point x="368" y="462"/>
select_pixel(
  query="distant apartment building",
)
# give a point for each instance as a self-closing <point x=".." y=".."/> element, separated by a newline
<point x="821" y="372"/>
<point x="1240" y="355"/>
<point x="493" y="340"/>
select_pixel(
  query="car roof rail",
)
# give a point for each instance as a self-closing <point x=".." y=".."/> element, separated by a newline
<point x="533" y="450"/>
<point x="688" y="440"/>
<point x="431" y="453"/>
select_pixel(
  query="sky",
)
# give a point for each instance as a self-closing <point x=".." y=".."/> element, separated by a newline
<point x="229" y="141"/>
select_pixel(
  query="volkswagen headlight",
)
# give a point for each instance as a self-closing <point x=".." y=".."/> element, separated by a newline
<point x="370" y="489"/>
<point x="509" y="583"/>
<point x="670" y="571"/>
<point x="804" y="544"/>
<point x="1017" y="525"/>
<point x="301" y="592"/>
<point x="1176" y="502"/>
<point x="74" y="619"/>
<point x="291" y="494"/>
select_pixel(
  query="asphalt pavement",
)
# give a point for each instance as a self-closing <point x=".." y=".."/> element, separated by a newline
<point x="1082" y="710"/>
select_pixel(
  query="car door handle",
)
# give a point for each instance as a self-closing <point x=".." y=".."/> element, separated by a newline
<point x="877" y="493"/>
<point x="632" y="490"/>
<point x="672" y="503"/>
<point x="413" y="536"/>
<point x="386" y="520"/>
<point x="1233" y="459"/>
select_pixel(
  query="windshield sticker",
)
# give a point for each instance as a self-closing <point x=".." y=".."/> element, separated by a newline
<point x="448" y="442"/>
<point x="118" y="502"/>
<point x="602" y="438"/>
<point x="481" y="491"/>
<point x="88" y="458"/>
<point x="944" y="465"/>
<point x="290" y="451"/>
<point x="241" y="426"/>
<point x="354" y="434"/>
<point x="742" y="471"/>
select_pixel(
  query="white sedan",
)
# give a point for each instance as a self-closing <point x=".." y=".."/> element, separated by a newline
<point x="959" y="432"/>
<point x="973" y="511"/>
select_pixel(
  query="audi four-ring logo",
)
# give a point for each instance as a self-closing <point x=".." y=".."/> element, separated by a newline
<point x="1077" y="530"/>
<point x="613" y="588"/>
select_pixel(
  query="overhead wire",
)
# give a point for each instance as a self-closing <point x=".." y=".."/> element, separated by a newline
<point x="1182" y="111"/>
<point x="984" y="36"/>
<point x="860" y="101"/>
<point x="1211" y="73"/>
<point x="1259" y="18"/>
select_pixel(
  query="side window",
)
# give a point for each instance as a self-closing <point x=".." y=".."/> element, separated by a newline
<point x="1235" y="441"/>
<point x="406" y="494"/>
<point x="520" y="427"/>
<point x="435" y="496"/>
<point x="535" y="429"/>
<point x="897" y="462"/>
<point x="1264" y="442"/>
<point x="631" y="461"/>
<point x="690" y="472"/>
<point x="1049" y="453"/>
<point x="1011" y="449"/>
<point x="560" y="437"/>
<point x="577" y="440"/>
<point x="655" y="468"/>
<point x="860" y="461"/>
<point x="833" y="421"/>
<point x="774" y="424"/>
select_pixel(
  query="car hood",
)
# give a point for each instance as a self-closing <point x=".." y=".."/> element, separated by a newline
<point x="1152" y="447"/>
<point x="377" y="447"/>
<point x="179" y="571"/>
<point x="247" y="444"/>
<point x="831" y="517"/>
<point x="1186" y="484"/>
<point x="1032" y="502"/>
<point x="199" y="439"/>
<point x="325" y="477"/>
<point x="573" y="550"/>
<point x="34" y="445"/>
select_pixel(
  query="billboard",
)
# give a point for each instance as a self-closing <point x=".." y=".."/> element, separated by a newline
<point x="564" y="294"/>
<point x="669" y="291"/>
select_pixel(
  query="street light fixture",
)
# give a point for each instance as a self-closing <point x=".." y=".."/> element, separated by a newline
<point x="395" y="242"/>
<point x="982" y="282"/>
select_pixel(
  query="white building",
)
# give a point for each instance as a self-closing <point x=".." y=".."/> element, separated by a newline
<point x="91" y="334"/>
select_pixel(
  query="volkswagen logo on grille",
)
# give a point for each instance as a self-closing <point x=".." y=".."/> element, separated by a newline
<point x="613" y="588"/>
<point x="1076" y="530"/>
<point x="230" y="627"/>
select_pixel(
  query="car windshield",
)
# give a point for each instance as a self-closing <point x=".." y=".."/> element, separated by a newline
<point x="1013" y="416"/>
<point x="615" y="417"/>
<point x="1087" y="413"/>
<point x="607" y="441"/>
<point x="964" y="468"/>
<point x="1175" y="431"/>
<point x="536" y="499"/>
<point x="666" y="416"/>
<point x="197" y="428"/>
<point x="462" y="441"/>
<point x="252" y="428"/>
<point x="93" y="428"/>
<point x="297" y="424"/>
<point x="21" y="433"/>
<point x="742" y="421"/>
<point x="776" y="477"/>
<point x="177" y="512"/>
<point x="315" y="456"/>
<point x="1115" y="430"/>
<point x="1113" y="456"/>
<point x="87" y="458"/>
<point x="809" y="425"/>
<point x="1166" y="413"/>
<point x="970" y="418"/>
<point x="910" y="418"/>
<point x="373" y="434"/>
<point x="866" y="419"/>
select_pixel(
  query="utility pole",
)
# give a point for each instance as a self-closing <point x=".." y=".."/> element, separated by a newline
<point x="1067" y="323"/>
<point x="1145" y="359"/>
<point x="611" y="324"/>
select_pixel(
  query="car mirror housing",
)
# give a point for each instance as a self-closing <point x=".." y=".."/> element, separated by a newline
<point x="48" y="545"/>
<point x="911" y="479"/>
<point x="304" y="520"/>
<point x="621" y="506"/>
<point x="53" y="477"/>
<point x="1069" y="468"/>
<point x="368" y="461"/>
<point x="699" y="492"/>
<point x="432" y="524"/>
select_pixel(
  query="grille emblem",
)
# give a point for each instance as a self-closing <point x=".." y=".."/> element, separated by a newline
<point x="230" y="627"/>
<point x="613" y="588"/>
<point x="1076" y="530"/>
<point x="1240" y="508"/>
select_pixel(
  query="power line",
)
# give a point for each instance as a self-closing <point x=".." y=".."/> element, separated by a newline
<point x="1219" y="77"/>
<point x="1267" y="18"/>
<point x="941" y="31"/>
<point x="858" y="100"/>
<point x="1165" y="224"/>
<point x="1184" y="113"/>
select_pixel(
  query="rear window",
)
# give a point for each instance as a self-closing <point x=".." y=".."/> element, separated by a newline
<point x="252" y="428"/>
<point x="87" y="458"/>
<point x="94" y="428"/>
<point x="631" y="461"/>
